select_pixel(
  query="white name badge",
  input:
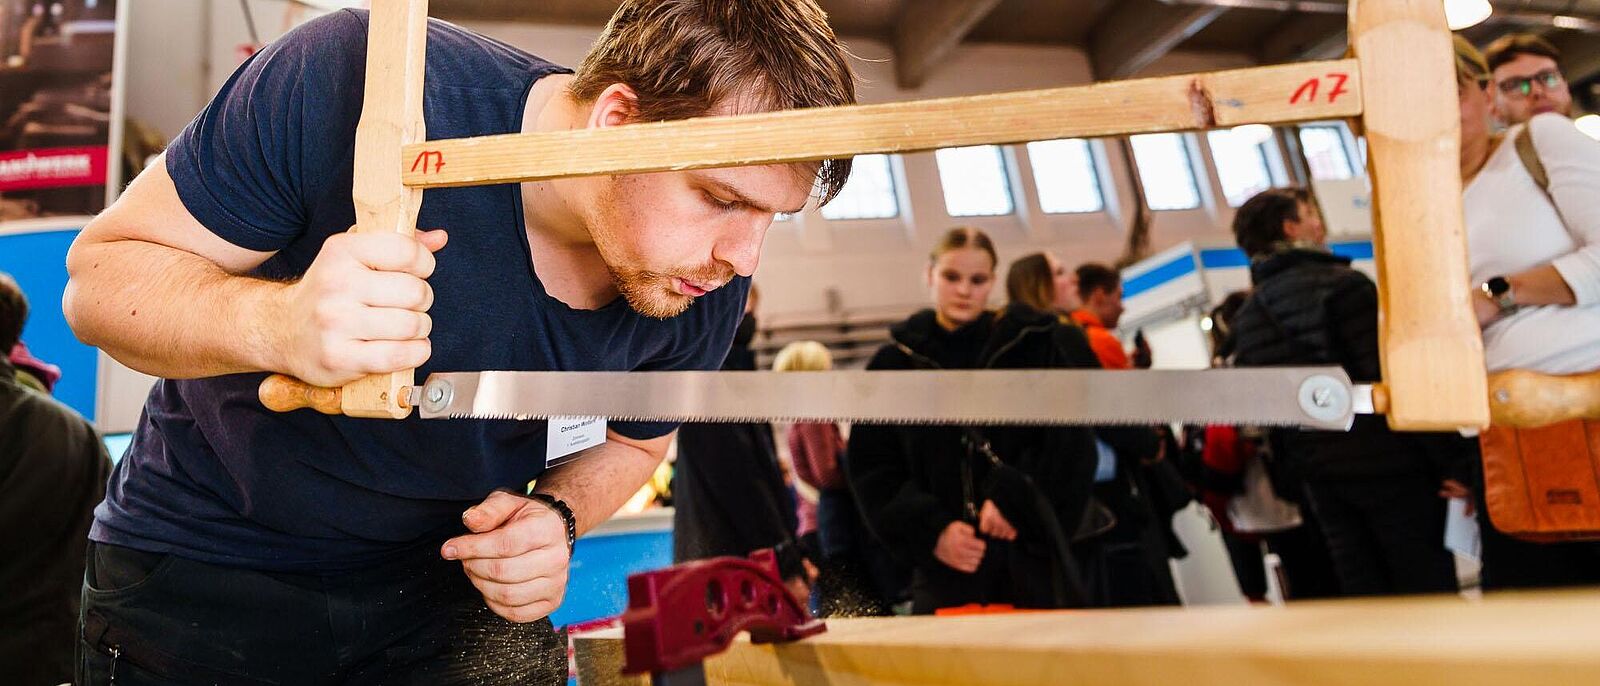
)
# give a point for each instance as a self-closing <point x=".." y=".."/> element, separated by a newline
<point x="567" y="436"/>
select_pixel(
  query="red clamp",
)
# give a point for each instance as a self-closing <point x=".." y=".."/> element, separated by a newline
<point x="683" y="614"/>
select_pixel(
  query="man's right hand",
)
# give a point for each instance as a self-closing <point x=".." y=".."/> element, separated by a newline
<point x="960" y="548"/>
<point x="361" y="308"/>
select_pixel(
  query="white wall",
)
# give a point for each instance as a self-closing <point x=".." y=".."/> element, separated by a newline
<point x="182" y="50"/>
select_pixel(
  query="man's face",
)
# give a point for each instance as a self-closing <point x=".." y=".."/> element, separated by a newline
<point x="1308" y="228"/>
<point x="1530" y="85"/>
<point x="1107" y="305"/>
<point x="671" y="237"/>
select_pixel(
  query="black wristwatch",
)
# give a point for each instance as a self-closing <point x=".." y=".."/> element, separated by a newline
<point x="561" y="508"/>
<point x="1498" y="288"/>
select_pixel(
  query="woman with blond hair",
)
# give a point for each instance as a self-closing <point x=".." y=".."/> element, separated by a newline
<point x="817" y="450"/>
<point x="1531" y="197"/>
<point x="979" y="512"/>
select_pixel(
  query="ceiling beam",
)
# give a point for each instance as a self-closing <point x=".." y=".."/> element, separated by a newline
<point x="1305" y="37"/>
<point x="928" y="30"/>
<point x="1138" y="32"/>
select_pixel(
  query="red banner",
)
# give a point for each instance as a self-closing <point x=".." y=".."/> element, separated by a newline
<point x="52" y="168"/>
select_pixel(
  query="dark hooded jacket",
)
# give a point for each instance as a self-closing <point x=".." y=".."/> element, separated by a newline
<point x="53" y="471"/>
<point x="913" y="481"/>
<point x="1309" y="307"/>
<point x="728" y="493"/>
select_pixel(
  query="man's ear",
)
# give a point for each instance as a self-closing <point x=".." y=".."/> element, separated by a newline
<point x="618" y="104"/>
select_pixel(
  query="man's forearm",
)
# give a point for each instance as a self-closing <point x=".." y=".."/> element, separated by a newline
<point x="169" y="313"/>
<point x="598" y="484"/>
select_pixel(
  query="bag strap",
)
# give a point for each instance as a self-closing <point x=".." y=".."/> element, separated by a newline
<point x="1530" y="159"/>
<point x="1535" y="166"/>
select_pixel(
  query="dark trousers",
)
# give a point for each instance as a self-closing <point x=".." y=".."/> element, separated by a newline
<point x="1308" y="569"/>
<point x="1386" y="534"/>
<point x="161" y="619"/>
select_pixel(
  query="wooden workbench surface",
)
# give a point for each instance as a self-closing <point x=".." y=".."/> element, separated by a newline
<point x="1546" y="638"/>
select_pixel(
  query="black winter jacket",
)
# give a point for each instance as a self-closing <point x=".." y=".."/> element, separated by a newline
<point x="53" y="471"/>
<point x="912" y="481"/>
<point x="1309" y="307"/>
<point x="728" y="493"/>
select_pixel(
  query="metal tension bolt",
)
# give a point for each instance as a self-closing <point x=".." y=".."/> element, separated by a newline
<point x="1325" y="399"/>
<point x="436" y="396"/>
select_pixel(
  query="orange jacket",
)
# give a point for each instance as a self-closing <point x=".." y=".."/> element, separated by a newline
<point x="1102" y="341"/>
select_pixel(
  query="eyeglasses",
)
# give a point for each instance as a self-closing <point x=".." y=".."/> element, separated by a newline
<point x="1522" y="86"/>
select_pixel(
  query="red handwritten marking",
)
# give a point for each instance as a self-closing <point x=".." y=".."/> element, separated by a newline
<point x="1339" y="79"/>
<point x="421" y="163"/>
<point x="1307" y="90"/>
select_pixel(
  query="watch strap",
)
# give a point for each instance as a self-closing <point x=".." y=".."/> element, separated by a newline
<point x="1498" y="288"/>
<point x="569" y="519"/>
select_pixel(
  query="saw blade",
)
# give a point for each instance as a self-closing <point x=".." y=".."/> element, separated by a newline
<point x="1312" y="397"/>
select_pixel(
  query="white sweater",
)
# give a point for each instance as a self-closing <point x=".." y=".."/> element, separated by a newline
<point x="1512" y="227"/>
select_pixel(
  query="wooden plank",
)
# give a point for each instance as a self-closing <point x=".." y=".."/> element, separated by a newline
<point x="1443" y="641"/>
<point x="1139" y="32"/>
<point x="1276" y="94"/>
<point x="928" y="30"/>
<point x="391" y="116"/>
<point x="1432" y="351"/>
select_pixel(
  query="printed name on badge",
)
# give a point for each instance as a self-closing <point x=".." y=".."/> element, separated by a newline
<point x="567" y="436"/>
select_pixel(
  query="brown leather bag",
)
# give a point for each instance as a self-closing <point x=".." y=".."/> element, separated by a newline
<point x="1543" y="484"/>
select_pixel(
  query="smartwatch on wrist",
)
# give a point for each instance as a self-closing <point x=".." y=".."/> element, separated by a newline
<point x="567" y="517"/>
<point x="1498" y="288"/>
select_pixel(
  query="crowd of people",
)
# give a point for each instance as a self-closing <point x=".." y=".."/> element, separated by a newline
<point x="225" y="526"/>
<point x="935" y="518"/>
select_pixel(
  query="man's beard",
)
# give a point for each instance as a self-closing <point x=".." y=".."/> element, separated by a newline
<point x="652" y="294"/>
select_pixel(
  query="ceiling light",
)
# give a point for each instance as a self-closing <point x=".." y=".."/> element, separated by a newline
<point x="1460" y="14"/>
<point x="1252" y="134"/>
<point x="1589" y="124"/>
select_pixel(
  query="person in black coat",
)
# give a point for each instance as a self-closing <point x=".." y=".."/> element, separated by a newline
<point x="978" y="526"/>
<point x="728" y="491"/>
<point x="1375" y="492"/>
<point x="53" y="470"/>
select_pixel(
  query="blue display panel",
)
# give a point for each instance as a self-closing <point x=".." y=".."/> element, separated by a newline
<point x="38" y="261"/>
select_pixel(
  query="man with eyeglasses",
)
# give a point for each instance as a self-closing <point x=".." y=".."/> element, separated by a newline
<point x="1527" y="79"/>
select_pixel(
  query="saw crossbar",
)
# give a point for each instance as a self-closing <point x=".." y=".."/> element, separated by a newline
<point x="1260" y="95"/>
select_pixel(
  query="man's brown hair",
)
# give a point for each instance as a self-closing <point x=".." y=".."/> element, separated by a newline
<point x="13" y="313"/>
<point x="685" y="57"/>
<point x="1093" y="276"/>
<point x="1507" y="47"/>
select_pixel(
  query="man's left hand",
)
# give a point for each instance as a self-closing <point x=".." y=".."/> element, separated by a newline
<point x="516" y="556"/>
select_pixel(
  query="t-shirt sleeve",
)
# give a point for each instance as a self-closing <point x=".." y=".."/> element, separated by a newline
<point x="248" y="166"/>
<point x="1572" y="161"/>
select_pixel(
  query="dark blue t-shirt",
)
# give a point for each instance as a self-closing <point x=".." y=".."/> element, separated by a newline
<point x="213" y="476"/>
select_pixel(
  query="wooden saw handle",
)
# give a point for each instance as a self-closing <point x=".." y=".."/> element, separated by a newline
<point x="284" y="393"/>
<point x="391" y="117"/>
<point x="1529" y="399"/>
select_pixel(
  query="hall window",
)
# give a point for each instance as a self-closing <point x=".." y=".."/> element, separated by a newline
<point x="974" y="181"/>
<point x="1325" y="151"/>
<point x="869" y="193"/>
<point x="1166" y="171"/>
<point x="1241" y="163"/>
<point x="1063" y="172"/>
